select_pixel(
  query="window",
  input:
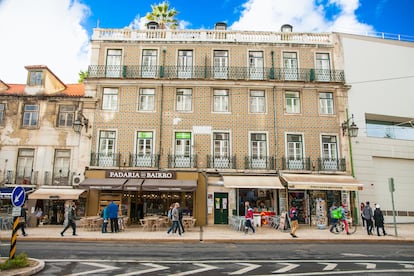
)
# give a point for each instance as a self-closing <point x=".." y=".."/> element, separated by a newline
<point x="2" y="110"/>
<point x="256" y="64"/>
<point x="257" y="101"/>
<point x="221" y="144"/>
<point x="66" y="115"/>
<point x="106" y="155"/>
<point x="292" y="102"/>
<point x="184" y="99"/>
<point x="25" y="160"/>
<point x="182" y="150"/>
<point x="221" y="100"/>
<point x="35" y="78"/>
<point x="30" y="115"/>
<point x="294" y="147"/>
<point x="110" y="99"/>
<point x="149" y="63"/>
<point x="113" y="63"/>
<point x="146" y="99"/>
<point x="145" y="142"/>
<point x="391" y="130"/>
<point x="258" y="150"/>
<point x="329" y="147"/>
<point x="185" y="64"/>
<point x="61" y="168"/>
<point x="290" y="65"/>
<point x="220" y="64"/>
<point x="326" y="104"/>
<point x="323" y="67"/>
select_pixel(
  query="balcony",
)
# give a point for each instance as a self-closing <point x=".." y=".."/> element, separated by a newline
<point x="262" y="163"/>
<point x="212" y="73"/>
<point x="218" y="162"/>
<point x="331" y="164"/>
<point x="182" y="161"/>
<point x="105" y="159"/>
<point x="297" y="164"/>
<point x="61" y="177"/>
<point x="22" y="176"/>
<point x="147" y="161"/>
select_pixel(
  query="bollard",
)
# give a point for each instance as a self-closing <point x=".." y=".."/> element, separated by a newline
<point x="201" y="233"/>
<point x="13" y="238"/>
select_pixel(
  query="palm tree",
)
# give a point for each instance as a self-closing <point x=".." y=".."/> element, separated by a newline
<point x="163" y="15"/>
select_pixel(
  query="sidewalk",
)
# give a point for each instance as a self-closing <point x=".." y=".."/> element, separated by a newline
<point x="221" y="233"/>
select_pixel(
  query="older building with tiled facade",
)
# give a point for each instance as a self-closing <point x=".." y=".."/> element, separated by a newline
<point x="215" y="118"/>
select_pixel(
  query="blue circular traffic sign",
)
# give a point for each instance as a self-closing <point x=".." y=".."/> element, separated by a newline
<point x="18" y="196"/>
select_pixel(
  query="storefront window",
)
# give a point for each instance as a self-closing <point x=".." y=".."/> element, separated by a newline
<point x="261" y="200"/>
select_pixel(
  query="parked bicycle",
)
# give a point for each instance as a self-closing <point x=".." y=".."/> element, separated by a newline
<point x="339" y="227"/>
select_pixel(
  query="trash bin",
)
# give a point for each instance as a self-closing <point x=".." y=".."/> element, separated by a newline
<point x="257" y="219"/>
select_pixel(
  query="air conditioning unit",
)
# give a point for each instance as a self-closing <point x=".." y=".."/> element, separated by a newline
<point x="76" y="180"/>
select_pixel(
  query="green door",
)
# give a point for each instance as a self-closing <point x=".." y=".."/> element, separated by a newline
<point x="221" y="208"/>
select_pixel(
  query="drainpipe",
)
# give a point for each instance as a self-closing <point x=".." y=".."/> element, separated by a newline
<point x="274" y="124"/>
<point x="160" y="130"/>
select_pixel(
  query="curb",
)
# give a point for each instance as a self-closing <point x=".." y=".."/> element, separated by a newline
<point x="25" y="271"/>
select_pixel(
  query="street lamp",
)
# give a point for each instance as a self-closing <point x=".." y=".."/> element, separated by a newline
<point x="351" y="129"/>
<point x="80" y="122"/>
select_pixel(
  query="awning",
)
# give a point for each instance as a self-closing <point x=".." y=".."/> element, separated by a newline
<point x="257" y="181"/>
<point x="103" y="184"/>
<point x="6" y="192"/>
<point x="322" y="182"/>
<point x="169" y="185"/>
<point x="56" y="194"/>
<point x="133" y="185"/>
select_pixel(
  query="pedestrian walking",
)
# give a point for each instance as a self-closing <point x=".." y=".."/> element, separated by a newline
<point x="334" y="218"/>
<point x="248" y="224"/>
<point x="104" y="215"/>
<point x="379" y="220"/>
<point x="367" y="214"/>
<point x="174" y="220"/>
<point x="293" y="215"/>
<point x="113" y="216"/>
<point x="70" y="219"/>
<point x="22" y="220"/>
<point x="362" y="217"/>
<point x="180" y="220"/>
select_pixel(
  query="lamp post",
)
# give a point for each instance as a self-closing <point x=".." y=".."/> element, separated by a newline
<point x="80" y="122"/>
<point x="351" y="131"/>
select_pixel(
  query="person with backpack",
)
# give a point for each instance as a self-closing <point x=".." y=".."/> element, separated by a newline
<point x="333" y="215"/>
<point x="293" y="215"/>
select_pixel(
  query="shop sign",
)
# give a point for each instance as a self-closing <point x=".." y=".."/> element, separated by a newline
<point x="141" y="174"/>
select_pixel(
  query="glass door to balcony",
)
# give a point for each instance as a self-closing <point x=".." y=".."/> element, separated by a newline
<point x="258" y="147"/>
<point x="221" y="64"/>
<point x="290" y="66"/>
<point x="185" y="64"/>
<point x="221" y="150"/>
<point x="330" y="153"/>
<point x="144" y="157"/>
<point x="106" y="153"/>
<point x="149" y="64"/>
<point x="182" y="150"/>
<point x="295" y="152"/>
<point x="323" y="67"/>
<point x="256" y="71"/>
<point x="113" y="63"/>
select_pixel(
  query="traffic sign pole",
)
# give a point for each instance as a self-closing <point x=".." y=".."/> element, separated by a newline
<point x="13" y="238"/>
<point x="18" y="198"/>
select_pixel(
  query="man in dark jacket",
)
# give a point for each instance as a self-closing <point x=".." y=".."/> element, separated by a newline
<point x="113" y="216"/>
<point x="22" y="220"/>
<point x="367" y="215"/>
<point x="379" y="220"/>
<point x="70" y="218"/>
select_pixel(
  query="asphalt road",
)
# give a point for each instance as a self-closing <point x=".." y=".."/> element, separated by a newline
<point x="220" y="259"/>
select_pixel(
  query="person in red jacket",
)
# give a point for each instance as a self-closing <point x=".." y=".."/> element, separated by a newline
<point x="249" y="221"/>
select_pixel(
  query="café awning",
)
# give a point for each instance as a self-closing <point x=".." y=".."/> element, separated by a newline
<point x="133" y="185"/>
<point x="321" y="182"/>
<point x="169" y="185"/>
<point x="256" y="181"/>
<point x="103" y="183"/>
<point x="64" y="194"/>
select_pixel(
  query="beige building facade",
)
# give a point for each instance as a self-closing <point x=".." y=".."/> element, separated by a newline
<point x="229" y="116"/>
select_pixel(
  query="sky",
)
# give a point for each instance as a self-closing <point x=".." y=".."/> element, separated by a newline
<point x="57" y="33"/>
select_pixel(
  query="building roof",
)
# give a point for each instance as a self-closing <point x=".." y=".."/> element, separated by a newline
<point x="72" y="90"/>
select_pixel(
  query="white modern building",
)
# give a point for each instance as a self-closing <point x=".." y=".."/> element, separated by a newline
<point x="380" y="73"/>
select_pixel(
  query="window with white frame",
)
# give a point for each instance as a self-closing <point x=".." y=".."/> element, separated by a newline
<point x="146" y="99"/>
<point x="290" y="65"/>
<point x="185" y="64"/>
<point x="221" y="144"/>
<point x="221" y="100"/>
<point x="220" y="64"/>
<point x="66" y="115"/>
<point x="149" y="63"/>
<point x="292" y="102"/>
<point x="294" y="147"/>
<point x="323" y="67"/>
<point x="258" y="145"/>
<point x="30" y="115"/>
<point x="184" y="99"/>
<point x="182" y="150"/>
<point x="2" y="110"/>
<point x="110" y="99"/>
<point x="61" y="167"/>
<point x="35" y="78"/>
<point x="329" y="147"/>
<point x="107" y="143"/>
<point x="145" y="143"/>
<point x="326" y="103"/>
<point x="113" y="63"/>
<point x="24" y="167"/>
<point x="257" y="101"/>
<point x="256" y="65"/>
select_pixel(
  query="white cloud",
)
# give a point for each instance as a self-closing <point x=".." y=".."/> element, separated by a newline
<point x="303" y="15"/>
<point x="43" y="32"/>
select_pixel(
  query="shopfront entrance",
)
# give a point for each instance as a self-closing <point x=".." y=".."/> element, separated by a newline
<point x="221" y="208"/>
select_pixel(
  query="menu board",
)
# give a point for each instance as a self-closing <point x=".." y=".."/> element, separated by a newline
<point x="284" y="222"/>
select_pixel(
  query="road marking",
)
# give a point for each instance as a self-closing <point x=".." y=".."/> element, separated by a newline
<point x="369" y="265"/>
<point x="329" y="266"/>
<point x="205" y="268"/>
<point x="103" y="269"/>
<point x="407" y="265"/>
<point x="154" y="268"/>
<point x="249" y="267"/>
<point x="288" y="267"/>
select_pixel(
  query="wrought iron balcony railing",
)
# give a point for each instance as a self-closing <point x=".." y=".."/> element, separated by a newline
<point x="218" y="162"/>
<point x="264" y="163"/>
<point x="182" y="161"/>
<point x="327" y="164"/>
<point x="148" y="161"/>
<point x="209" y="72"/>
<point x="298" y="164"/>
<point x="105" y="159"/>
